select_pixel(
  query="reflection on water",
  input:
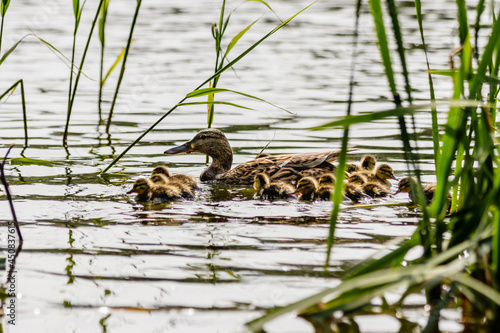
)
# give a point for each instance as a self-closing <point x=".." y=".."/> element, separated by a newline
<point x="101" y="262"/>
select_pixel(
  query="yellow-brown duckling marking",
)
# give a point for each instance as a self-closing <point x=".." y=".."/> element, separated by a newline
<point x="405" y="186"/>
<point x="381" y="175"/>
<point x="214" y="143"/>
<point x="162" y="179"/>
<point x="354" y="192"/>
<point x="357" y="178"/>
<point x="178" y="178"/>
<point x="148" y="191"/>
<point x="375" y="190"/>
<point x="265" y="189"/>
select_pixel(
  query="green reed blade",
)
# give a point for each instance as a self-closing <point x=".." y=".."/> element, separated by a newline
<point x="77" y="79"/>
<point x="217" y="102"/>
<point x="211" y="91"/>
<point x="376" y="11"/>
<point x="122" y="71"/>
<point x="102" y="38"/>
<point x="236" y="38"/>
<point x="435" y="125"/>
<point x="4" y="6"/>
<point x="477" y="25"/>
<point x="115" y="64"/>
<point x="216" y="74"/>
<point x="463" y="26"/>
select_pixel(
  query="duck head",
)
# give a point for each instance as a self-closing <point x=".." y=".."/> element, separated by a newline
<point x="261" y="180"/>
<point x="141" y="186"/>
<point x="384" y="171"/>
<point x="213" y="143"/>
<point x="368" y="162"/>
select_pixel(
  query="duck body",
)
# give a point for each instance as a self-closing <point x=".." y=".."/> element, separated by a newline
<point x="161" y="179"/>
<point x="213" y="142"/>
<point x="354" y="192"/>
<point x="265" y="189"/>
<point x="307" y="188"/>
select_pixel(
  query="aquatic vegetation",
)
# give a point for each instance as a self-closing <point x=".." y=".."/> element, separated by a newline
<point x="464" y="269"/>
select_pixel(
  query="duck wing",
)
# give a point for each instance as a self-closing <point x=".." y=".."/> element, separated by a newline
<point x="244" y="173"/>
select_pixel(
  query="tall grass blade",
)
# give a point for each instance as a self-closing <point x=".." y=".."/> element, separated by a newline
<point x="435" y="128"/>
<point x="102" y="38"/>
<point x="124" y="62"/>
<point x="115" y="64"/>
<point x="77" y="79"/>
<point x="477" y="26"/>
<point x="216" y="74"/>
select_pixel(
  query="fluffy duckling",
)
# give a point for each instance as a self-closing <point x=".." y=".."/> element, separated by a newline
<point x="178" y="178"/>
<point x="162" y="179"/>
<point x="148" y="191"/>
<point x="266" y="189"/>
<point x="352" y="168"/>
<point x="375" y="190"/>
<point x="381" y="175"/>
<point x="404" y="186"/>
<point x="325" y="189"/>
<point x="307" y="188"/>
<point x="357" y="178"/>
<point x="368" y="162"/>
<point x="353" y="192"/>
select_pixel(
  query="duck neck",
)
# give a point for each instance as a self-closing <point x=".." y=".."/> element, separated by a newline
<point x="222" y="159"/>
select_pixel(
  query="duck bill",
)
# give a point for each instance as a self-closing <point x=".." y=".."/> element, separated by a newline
<point x="185" y="148"/>
<point x="131" y="191"/>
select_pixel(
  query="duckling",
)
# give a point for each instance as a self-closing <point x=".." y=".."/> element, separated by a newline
<point x="354" y="192"/>
<point x="381" y="175"/>
<point x="266" y="190"/>
<point x="404" y="186"/>
<point x="326" y="183"/>
<point x="352" y="168"/>
<point x="178" y="178"/>
<point x="162" y="179"/>
<point x="375" y="190"/>
<point x="357" y="178"/>
<point x="368" y="162"/>
<point x="147" y="191"/>
<point x="307" y="188"/>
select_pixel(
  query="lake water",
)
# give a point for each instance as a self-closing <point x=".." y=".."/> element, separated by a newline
<point x="94" y="260"/>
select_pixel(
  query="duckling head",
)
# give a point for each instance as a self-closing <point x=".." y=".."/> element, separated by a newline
<point x="404" y="185"/>
<point x="327" y="179"/>
<point x="159" y="178"/>
<point x="306" y="186"/>
<point x="368" y="162"/>
<point x="161" y="169"/>
<point x="384" y="171"/>
<point x="140" y="186"/>
<point x="261" y="180"/>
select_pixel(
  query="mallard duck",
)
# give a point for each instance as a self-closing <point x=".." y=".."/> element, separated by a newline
<point x="375" y="190"/>
<point x="307" y="188"/>
<point x="214" y="143"/>
<point x="266" y="190"/>
<point x="368" y="162"/>
<point x="381" y="175"/>
<point x="404" y="186"/>
<point x="162" y="179"/>
<point x="148" y="191"/>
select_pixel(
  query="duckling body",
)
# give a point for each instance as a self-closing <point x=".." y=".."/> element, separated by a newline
<point x="381" y="175"/>
<point x="368" y="162"/>
<point x="265" y="189"/>
<point x="162" y="179"/>
<point x="357" y="178"/>
<point x="307" y="188"/>
<point x="375" y="190"/>
<point x="148" y="191"/>
<point x="404" y="186"/>
<point x="354" y="192"/>
<point x="214" y="143"/>
<point x="326" y="186"/>
<point x="188" y="181"/>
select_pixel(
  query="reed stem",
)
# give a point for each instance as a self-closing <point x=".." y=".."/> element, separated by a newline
<point x="122" y="71"/>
